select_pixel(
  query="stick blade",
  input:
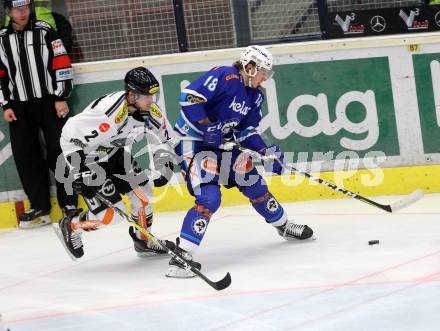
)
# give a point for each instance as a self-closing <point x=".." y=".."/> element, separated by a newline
<point x="407" y="200"/>
<point x="219" y="285"/>
<point x="223" y="283"/>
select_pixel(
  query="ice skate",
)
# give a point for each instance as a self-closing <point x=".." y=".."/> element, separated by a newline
<point x="71" y="239"/>
<point x="177" y="270"/>
<point x="145" y="248"/>
<point x="295" y="232"/>
<point x="32" y="218"/>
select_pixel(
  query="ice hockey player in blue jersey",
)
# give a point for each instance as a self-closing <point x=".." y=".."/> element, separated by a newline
<point x="225" y="104"/>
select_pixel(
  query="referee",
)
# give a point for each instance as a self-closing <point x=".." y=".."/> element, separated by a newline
<point x="36" y="77"/>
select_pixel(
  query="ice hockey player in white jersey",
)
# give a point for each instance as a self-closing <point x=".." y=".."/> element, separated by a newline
<point x="94" y="144"/>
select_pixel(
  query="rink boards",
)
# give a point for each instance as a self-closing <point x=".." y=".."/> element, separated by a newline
<point x="393" y="181"/>
<point x="367" y="103"/>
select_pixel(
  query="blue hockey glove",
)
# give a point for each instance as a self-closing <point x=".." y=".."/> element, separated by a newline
<point x="212" y="134"/>
<point x="272" y="165"/>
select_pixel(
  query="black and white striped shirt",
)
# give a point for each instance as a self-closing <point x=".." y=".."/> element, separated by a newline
<point x="33" y="64"/>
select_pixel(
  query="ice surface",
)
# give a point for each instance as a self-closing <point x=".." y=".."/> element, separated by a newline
<point x="337" y="282"/>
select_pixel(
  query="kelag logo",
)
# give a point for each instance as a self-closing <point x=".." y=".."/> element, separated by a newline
<point x="332" y="106"/>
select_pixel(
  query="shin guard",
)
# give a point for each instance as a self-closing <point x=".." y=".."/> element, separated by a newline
<point x="268" y="207"/>
<point x="194" y="227"/>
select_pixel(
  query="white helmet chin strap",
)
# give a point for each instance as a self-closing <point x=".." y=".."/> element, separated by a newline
<point x="250" y="75"/>
<point x="250" y="81"/>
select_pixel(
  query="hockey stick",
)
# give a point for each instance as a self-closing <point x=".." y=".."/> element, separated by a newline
<point x="400" y="204"/>
<point x="219" y="285"/>
<point x="406" y="201"/>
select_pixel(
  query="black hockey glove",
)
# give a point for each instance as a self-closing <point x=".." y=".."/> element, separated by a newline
<point x="83" y="177"/>
<point x="164" y="163"/>
<point x="82" y="184"/>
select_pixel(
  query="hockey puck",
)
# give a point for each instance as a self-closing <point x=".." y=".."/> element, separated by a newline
<point x="373" y="242"/>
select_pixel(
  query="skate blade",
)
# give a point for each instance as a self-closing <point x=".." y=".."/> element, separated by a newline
<point x="151" y="254"/>
<point x="56" y="228"/>
<point x="176" y="272"/>
<point x="300" y="241"/>
<point x="35" y="223"/>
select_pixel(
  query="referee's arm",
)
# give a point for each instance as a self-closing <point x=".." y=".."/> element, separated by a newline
<point x="61" y="66"/>
<point x="4" y="90"/>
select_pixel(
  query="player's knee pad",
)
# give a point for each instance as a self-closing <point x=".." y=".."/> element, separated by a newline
<point x="268" y="207"/>
<point x="209" y="197"/>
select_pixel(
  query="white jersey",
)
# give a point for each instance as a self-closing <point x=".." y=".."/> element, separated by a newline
<point x="105" y="125"/>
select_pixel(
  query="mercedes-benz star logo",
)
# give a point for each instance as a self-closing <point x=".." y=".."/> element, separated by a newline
<point x="378" y="23"/>
<point x="437" y="18"/>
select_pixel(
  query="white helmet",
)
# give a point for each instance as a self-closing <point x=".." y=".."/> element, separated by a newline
<point x="259" y="56"/>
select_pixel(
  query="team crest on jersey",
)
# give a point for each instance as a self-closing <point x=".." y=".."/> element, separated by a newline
<point x="243" y="164"/>
<point x="272" y="205"/>
<point x="199" y="226"/>
<point x="154" y="109"/>
<point x="121" y="115"/>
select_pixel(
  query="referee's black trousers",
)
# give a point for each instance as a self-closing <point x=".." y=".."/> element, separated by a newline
<point x="32" y="167"/>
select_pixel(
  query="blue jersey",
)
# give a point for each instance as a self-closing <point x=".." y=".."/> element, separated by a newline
<point x="222" y="96"/>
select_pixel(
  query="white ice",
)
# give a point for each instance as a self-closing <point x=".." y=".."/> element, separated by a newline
<point x="337" y="282"/>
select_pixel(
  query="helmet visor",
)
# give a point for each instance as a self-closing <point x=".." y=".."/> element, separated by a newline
<point x="268" y="74"/>
<point x="154" y="97"/>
